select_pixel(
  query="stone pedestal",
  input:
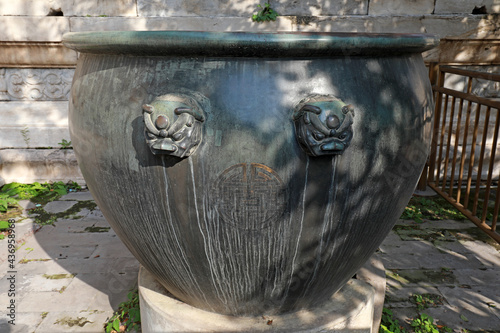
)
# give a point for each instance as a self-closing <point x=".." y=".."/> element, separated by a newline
<point x="351" y="309"/>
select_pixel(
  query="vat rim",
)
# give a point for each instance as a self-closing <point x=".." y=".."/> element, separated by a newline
<point x="248" y="44"/>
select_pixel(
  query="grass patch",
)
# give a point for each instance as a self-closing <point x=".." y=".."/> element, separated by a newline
<point x="45" y="218"/>
<point x="58" y="276"/>
<point x="97" y="229"/>
<point x="430" y="208"/>
<point x="38" y="193"/>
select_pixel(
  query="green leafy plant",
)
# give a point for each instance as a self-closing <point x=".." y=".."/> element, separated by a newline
<point x="412" y="213"/>
<point x="128" y="316"/>
<point x="420" y="301"/>
<point x="425" y="301"/>
<point x="30" y="191"/>
<point x="25" y="132"/>
<point x="4" y="227"/>
<point x="424" y="324"/>
<point x="65" y="144"/>
<point x="36" y="192"/>
<point x="389" y="324"/>
<point x="265" y="13"/>
<point x="6" y="202"/>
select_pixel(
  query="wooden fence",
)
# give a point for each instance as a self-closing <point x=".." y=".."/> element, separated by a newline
<point x="464" y="164"/>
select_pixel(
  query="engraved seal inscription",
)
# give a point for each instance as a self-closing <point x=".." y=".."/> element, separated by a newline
<point x="249" y="196"/>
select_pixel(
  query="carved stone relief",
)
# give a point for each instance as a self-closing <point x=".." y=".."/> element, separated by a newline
<point x="28" y="84"/>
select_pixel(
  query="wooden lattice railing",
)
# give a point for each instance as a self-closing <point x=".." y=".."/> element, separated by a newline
<point x="464" y="164"/>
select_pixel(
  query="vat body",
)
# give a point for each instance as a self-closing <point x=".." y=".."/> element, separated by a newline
<point x="284" y="161"/>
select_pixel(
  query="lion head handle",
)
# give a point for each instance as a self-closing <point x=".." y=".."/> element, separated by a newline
<point x="323" y="125"/>
<point x="173" y="125"/>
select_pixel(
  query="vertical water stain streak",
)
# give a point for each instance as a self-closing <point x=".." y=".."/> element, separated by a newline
<point x="299" y="234"/>
<point x="328" y="226"/>
<point x="185" y="277"/>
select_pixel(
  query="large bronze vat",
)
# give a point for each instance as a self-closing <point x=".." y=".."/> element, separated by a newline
<point x="251" y="173"/>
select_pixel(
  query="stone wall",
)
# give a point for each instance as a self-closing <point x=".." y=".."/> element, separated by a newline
<point x="36" y="69"/>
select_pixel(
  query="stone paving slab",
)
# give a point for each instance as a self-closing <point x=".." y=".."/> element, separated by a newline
<point x="69" y="300"/>
<point x="402" y="297"/>
<point x="485" y="253"/>
<point x="477" y="308"/>
<point x="443" y="224"/>
<point x="39" y="282"/>
<point x="69" y="276"/>
<point x="80" y="196"/>
<point x="116" y="250"/>
<point x="59" y="252"/>
<point x="82" y="226"/>
<point x="409" y="247"/>
<point x="55" y="235"/>
<point x="30" y="321"/>
<point x="478" y="277"/>
<point x="55" y="207"/>
<point x="400" y="278"/>
<point x="423" y="261"/>
<point x="23" y="230"/>
<point x="463" y="273"/>
<point x="451" y="248"/>
<point x="69" y="321"/>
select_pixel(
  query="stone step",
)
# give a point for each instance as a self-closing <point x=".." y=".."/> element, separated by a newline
<point x="39" y="165"/>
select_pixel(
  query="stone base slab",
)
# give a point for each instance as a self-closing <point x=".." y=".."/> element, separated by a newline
<point x="39" y="165"/>
<point x="350" y="310"/>
<point x="373" y="273"/>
